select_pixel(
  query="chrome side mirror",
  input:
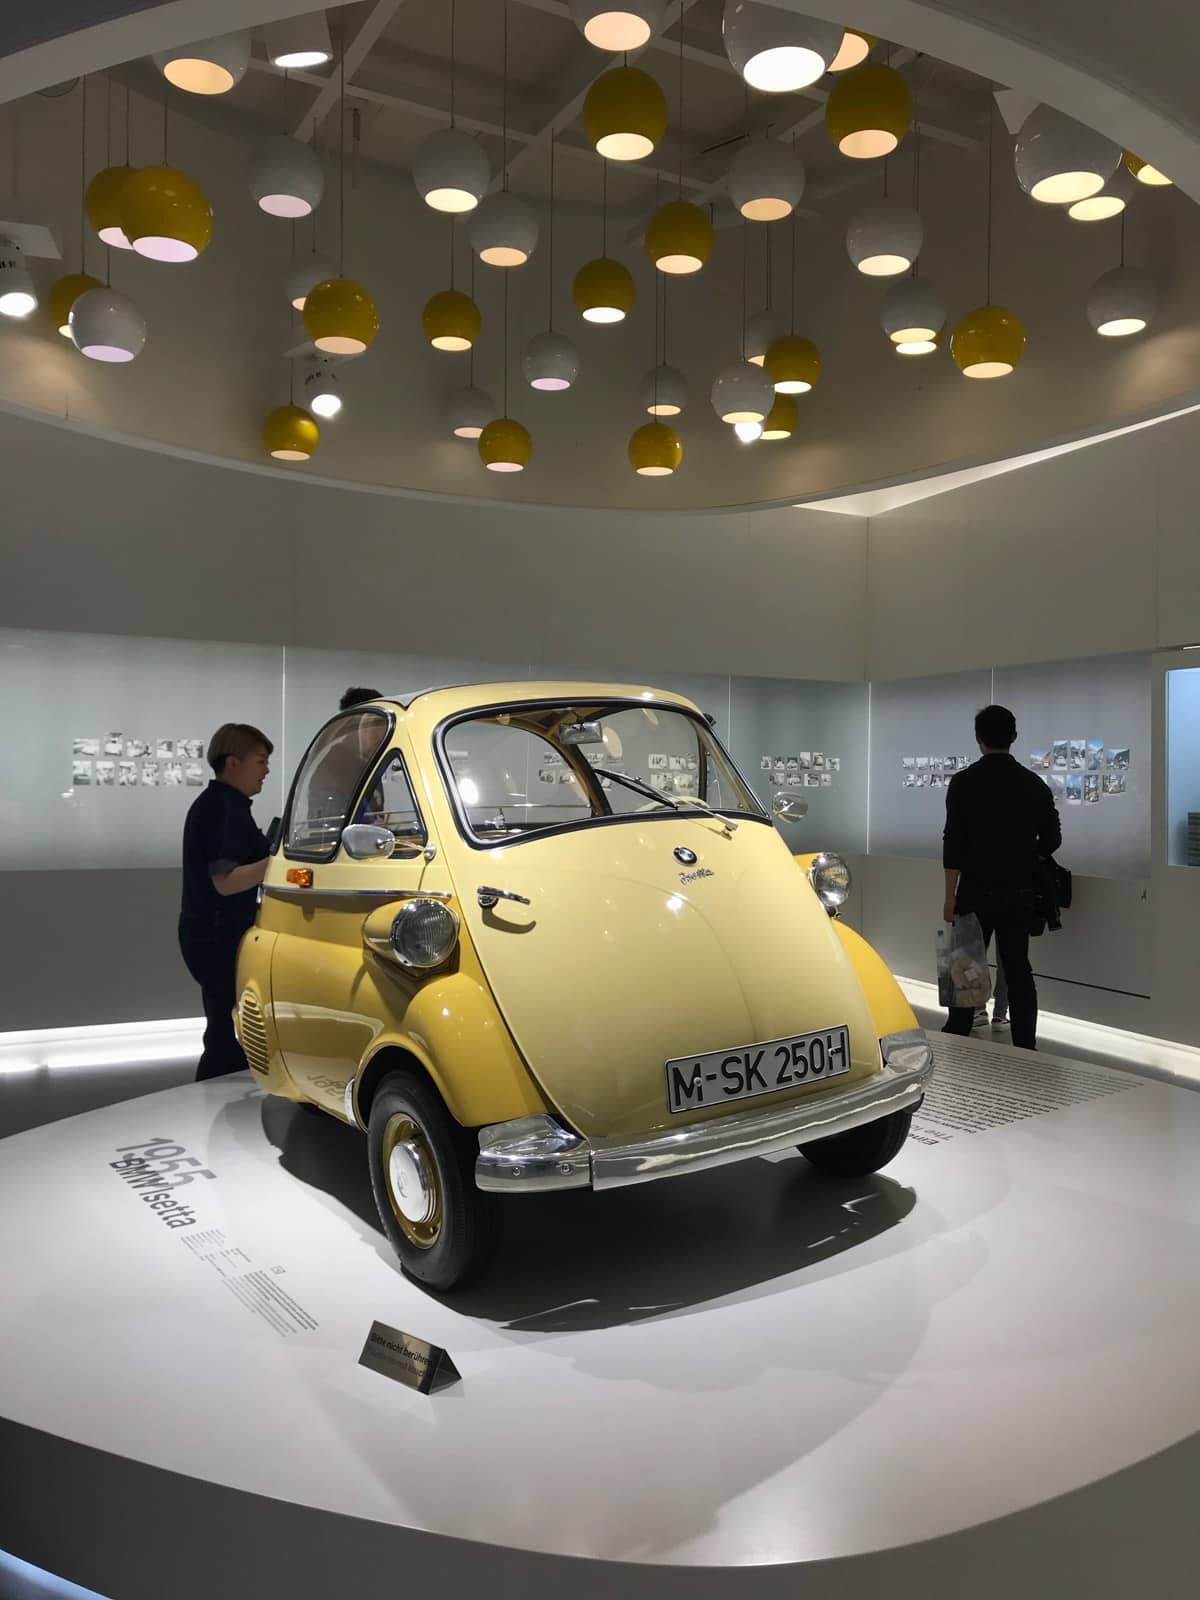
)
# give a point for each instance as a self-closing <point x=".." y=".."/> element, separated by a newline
<point x="788" y="808"/>
<point x="363" y="841"/>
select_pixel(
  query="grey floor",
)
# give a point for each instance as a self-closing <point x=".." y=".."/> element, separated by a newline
<point x="30" y="1099"/>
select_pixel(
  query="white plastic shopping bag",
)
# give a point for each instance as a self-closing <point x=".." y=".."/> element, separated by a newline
<point x="963" y="975"/>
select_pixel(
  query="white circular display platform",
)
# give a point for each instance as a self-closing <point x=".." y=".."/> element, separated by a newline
<point x="977" y="1372"/>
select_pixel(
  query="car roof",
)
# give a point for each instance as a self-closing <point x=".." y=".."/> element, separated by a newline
<point x="446" y="700"/>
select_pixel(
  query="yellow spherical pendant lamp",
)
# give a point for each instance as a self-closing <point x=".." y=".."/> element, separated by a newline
<point x="793" y="364"/>
<point x="101" y="202"/>
<point x="625" y="114"/>
<point x="505" y="446"/>
<point x="869" y="111"/>
<point x="64" y="295"/>
<point x="340" y="317"/>
<point x="451" y="320"/>
<point x="1145" y="173"/>
<point x="290" y="433"/>
<point x="655" y="450"/>
<point x="604" y="291"/>
<point x="782" y="418"/>
<point x="679" y="237"/>
<point x="988" y="342"/>
<point x="165" y="214"/>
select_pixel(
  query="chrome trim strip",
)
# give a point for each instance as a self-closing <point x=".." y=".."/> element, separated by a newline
<point x="288" y="891"/>
<point x="537" y="1153"/>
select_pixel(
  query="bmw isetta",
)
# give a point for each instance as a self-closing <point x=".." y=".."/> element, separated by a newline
<point x="542" y="936"/>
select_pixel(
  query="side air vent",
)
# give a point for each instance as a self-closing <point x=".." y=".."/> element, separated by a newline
<point x="252" y="1031"/>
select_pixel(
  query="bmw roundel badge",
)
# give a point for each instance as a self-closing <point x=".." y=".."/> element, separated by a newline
<point x="685" y="856"/>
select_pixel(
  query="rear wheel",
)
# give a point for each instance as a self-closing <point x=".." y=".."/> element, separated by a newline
<point x="861" y="1150"/>
<point x="423" y="1176"/>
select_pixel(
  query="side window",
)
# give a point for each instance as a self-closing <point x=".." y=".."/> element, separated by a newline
<point x="389" y="802"/>
<point x="328" y="781"/>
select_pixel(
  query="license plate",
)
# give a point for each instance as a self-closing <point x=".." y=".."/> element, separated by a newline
<point x="694" y="1082"/>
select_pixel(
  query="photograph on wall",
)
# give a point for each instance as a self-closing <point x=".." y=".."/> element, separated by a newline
<point x="910" y="779"/>
<point x="127" y="774"/>
<point x="804" y="760"/>
<point x="1078" y="754"/>
<point x="812" y="780"/>
<point x="85" y="747"/>
<point x="114" y="744"/>
<point x="164" y="749"/>
<point x="149" y="774"/>
<point x="106" y="774"/>
<point x="1058" y="786"/>
<point x="827" y="780"/>
<point x="835" y="763"/>
<point x="193" y="749"/>
<point x="795" y="780"/>
<point x="135" y="749"/>
<point x="908" y="763"/>
<point x="172" y="774"/>
<point x="1061" y="755"/>
<point x="764" y="763"/>
<point x="194" y="774"/>
<point x="1114" y="783"/>
<point x="657" y="761"/>
<point x="81" y="773"/>
<point x="1095" y="755"/>
<point x="1119" y="760"/>
<point x="1091" y="788"/>
<point x="923" y="764"/>
<point x="1039" y="760"/>
<point x="1074" y="788"/>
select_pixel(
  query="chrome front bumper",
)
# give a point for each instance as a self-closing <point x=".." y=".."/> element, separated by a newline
<point x="535" y="1154"/>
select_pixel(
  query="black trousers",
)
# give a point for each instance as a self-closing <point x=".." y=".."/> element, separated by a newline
<point x="1006" y="917"/>
<point x="210" y="955"/>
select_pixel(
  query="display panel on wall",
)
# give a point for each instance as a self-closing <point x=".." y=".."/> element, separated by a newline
<point x="104" y="741"/>
<point x="1083" y="727"/>
<point x="1183" y="767"/>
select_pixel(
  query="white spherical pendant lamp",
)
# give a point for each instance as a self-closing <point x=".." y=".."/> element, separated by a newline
<point x="18" y="297"/>
<point x="1116" y="194"/>
<point x="762" y="330"/>
<point x="1059" y="160"/>
<point x="107" y="326"/>
<point x="766" y="181"/>
<point x="624" y="25"/>
<point x="913" y="315"/>
<point x="550" y="362"/>
<point x="305" y="273"/>
<point x="1121" y="302"/>
<point x="748" y="432"/>
<point x="286" y="179"/>
<point x="468" y="412"/>
<point x="775" y="50"/>
<point x="299" y="42"/>
<point x="209" y="66"/>
<point x="451" y="171"/>
<point x="742" y="393"/>
<point x="321" y="390"/>
<point x="503" y="230"/>
<point x="885" y="239"/>
<point x="664" y="392"/>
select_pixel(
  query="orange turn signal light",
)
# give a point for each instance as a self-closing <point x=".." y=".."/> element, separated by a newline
<point x="302" y="877"/>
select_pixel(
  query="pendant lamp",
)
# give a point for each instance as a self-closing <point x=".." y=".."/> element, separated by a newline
<point x="505" y="446"/>
<point x="290" y="433"/>
<point x="298" y="42"/>
<point x="340" y="317"/>
<point x="792" y="364"/>
<point x="913" y="315"/>
<point x="468" y="412"/>
<point x="664" y="392"/>
<point x="451" y="171"/>
<point x="551" y="361"/>
<point x="762" y="330"/>
<point x="742" y="393"/>
<point x="102" y="203"/>
<point x="1145" y="173"/>
<point x="855" y="47"/>
<point x="209" y="66"/>
<point x="988" y="342"/>
<point x="451" y="320"/>
<point x="1121" y="302"/>
<point x="18" y="297"/>
<point x="623" y="26"/>
<point x="625" y="114"/>
<point x="604" y="291"/>
<point x="305" y="272"/>
<point x="503" y="230"/>
<point x="655" y="450"/>
<point x="165" y="214"/>
<point x="869" y="111"/>
<point x="748" y="432"/>
<point x="1059" y="160"/>
<point x="321" y="390"/>
<point x="766" y="180"/>
<point x="107" y="326"/>
<point x="679" y="237"/>
<point x="286" y="179"/>
<point x="782" y="419"/>
<point x="64" y="295"/>
<point x="775" y="50"/>
<point x="1110" y="201"/>
<point x="885" y="239"/>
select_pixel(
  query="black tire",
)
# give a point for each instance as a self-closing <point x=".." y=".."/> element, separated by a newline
<point x="862" y="1150"/>
<point x="454" y="1247"/>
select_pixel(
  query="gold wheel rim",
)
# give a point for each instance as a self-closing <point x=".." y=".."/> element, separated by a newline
<point x="402" y="1131"/>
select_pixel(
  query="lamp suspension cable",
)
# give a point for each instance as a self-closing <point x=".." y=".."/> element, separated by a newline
<point x="127" y="99"/>
<point x="745" y="279"/>
<point x="82" y="172"/>
<point x="474" y="342"/>
<point x="991" y="170"/>
<point x="657" y="330"/>
<point x="165" y="87"/>
<point x="453" y="58"/>
<point x="550" y="245"/>
<point x="342" y="148"/>
<point x="916" y="134"/>
<point x="603" y="206"/>
<point x="793" y="272"/>
<point x="108" y="156"/>
<point x="504" y="412"/>
<point x="504" y="113"/>
<point x="682" y="15"/>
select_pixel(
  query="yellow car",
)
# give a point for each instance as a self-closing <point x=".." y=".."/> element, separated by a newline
<point x="542" y="936"/>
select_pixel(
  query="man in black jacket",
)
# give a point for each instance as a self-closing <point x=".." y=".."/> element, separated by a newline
<point x="1001" y="821"/>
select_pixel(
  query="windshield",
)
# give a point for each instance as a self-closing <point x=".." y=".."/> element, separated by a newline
<point x="524" y="769"/>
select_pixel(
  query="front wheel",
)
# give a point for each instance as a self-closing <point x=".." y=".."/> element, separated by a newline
<point x="861" y="1150"/>
<point x="423" y="1176"/>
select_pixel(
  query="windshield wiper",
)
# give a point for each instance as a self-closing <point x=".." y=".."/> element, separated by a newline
<point x="676" y="803"/>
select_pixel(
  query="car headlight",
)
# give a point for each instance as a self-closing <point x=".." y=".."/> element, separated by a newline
<point x="424" y="934"/>
<point x="830" y="877"/>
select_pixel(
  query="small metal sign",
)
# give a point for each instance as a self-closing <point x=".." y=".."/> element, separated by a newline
<point x="409" y="1360"/>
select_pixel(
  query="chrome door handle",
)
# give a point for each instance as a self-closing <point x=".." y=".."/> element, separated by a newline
<point x="489" y="897"/>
